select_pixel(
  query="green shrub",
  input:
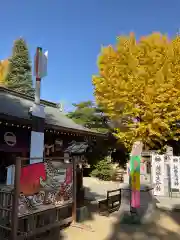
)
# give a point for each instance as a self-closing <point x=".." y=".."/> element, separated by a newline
<point x="103" y="170"/>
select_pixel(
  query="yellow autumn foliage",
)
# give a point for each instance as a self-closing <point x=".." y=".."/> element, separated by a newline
<point x="138" y="85"/>
<point x="3" y="72"/>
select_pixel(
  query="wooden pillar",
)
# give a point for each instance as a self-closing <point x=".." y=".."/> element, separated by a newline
<point x="14" y="216"/>
<point x="74" y="212"/>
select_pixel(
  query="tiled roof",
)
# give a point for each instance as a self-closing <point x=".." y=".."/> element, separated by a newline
<point x="77" y="147"/>
<point x="18" y="105"/>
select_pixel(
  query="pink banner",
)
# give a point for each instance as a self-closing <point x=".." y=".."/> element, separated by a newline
<point x="135" y="199"/>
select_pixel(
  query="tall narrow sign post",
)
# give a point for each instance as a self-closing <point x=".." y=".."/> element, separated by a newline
<point x="135" y="161"/>
<point x="37" y="110"/>
<point x="135" y="181"/>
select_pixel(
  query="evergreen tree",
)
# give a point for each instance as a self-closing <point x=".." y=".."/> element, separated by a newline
<point x="19" y="77"/>
<point x="89" y="115"/>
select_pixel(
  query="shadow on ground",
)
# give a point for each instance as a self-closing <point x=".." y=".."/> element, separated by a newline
<point x="91" y="202"/>
<point x="175" y="213"/>
<point x="92" y="196"/>
<point x="149" y="231"/>
<point x="155" y="224"/>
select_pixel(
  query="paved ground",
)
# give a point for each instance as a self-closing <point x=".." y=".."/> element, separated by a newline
<point x="166" y="203"/>
<point x="165" y="224"/>
<point x="95" y="189"/>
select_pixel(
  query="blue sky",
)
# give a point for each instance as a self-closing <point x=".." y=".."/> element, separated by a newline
<point x="73" y="32"/>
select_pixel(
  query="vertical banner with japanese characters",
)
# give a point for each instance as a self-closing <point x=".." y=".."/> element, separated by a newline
<point x="175" y="172"/>
<point x="158" y="168"/>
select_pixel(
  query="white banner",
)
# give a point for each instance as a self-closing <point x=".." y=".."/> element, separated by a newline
<point x="158" y="174"/>
<point x="175" y="172"/>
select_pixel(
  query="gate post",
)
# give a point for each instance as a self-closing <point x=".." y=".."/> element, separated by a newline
<point x="16" y="192"/>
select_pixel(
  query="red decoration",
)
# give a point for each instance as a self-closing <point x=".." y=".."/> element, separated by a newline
<point x="29" y="180"/>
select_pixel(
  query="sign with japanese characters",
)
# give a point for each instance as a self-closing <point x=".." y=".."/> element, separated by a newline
<point x="158" y="167"/>
<point x="175" y="172"/>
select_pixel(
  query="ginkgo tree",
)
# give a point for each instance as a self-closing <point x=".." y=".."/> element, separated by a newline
<point x="3" y="71"/>
<point x="138" y="85"/>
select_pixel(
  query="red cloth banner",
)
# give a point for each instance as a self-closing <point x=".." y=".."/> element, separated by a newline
<point x="30" y="178"/>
